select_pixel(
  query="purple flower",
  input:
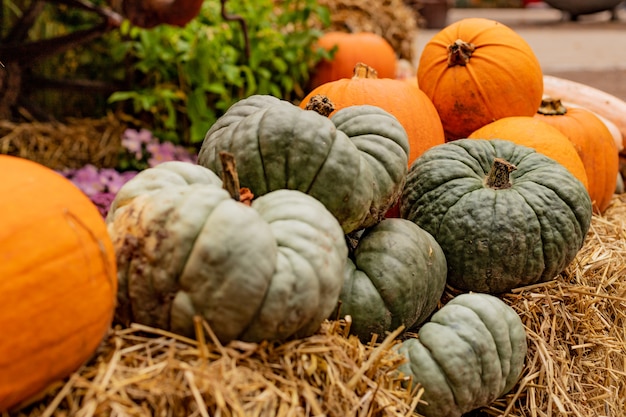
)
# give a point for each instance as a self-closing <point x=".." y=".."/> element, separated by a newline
<point x="103" y="202"/>
<point x="88" y="180"/>
<point x="134" y="140"/>
<point x="160" y="152"/>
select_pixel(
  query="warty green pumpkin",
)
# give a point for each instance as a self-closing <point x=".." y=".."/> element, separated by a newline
<point x="395" y="276"/>
<point x="354" y="162"/>
<point x="470" y="353"/>
<point x="504" y="215"/>
<point x="185" y="248"/>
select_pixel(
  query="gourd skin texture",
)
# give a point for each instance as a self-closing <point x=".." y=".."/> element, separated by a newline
<point x="57" y="279"/>
<point x="355" y="163"/>
<point x="502" y="78"/>
<point x="471" y="352"/>
<point x="269" y="271"/>
<point x="395" y="277"/>
<point x="497" y="239"/>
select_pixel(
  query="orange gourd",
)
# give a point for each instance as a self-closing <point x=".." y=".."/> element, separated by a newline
<point x="367" y="47"/>
<point x="403" y="100"/>
<point x="58" y="279"/>
<point x="476" y="71"/>
<point x="534" y="133"/>
<point x="593" y="142"/>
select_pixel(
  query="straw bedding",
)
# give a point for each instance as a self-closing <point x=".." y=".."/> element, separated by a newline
<point x="576" y="363"/>
<point x="71" y="144"/>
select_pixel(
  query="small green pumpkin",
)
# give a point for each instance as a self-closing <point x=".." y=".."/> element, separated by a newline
<point x="184" y="247"/>
<point x="395" y="276"/>
<point x="355" y="163"/>
<point x="504" y="215"/>
<point x="471" y="352"/>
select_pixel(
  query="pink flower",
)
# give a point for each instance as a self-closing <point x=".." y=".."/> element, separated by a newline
<point x="134" y="140"/>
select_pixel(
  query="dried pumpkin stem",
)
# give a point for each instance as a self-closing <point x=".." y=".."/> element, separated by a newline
<point x="362" y="70"/>
<point x="499" y="175"/>
<point x="552" y="107"/>
<point x="321" y="104"/>
<point x="230" y="179"/>
<point x="460" y="52"/>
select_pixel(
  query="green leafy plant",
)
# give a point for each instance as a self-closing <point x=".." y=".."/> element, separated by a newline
<point x="183" y="79"/>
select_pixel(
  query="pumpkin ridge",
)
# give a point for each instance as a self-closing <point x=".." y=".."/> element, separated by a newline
<point x="480" y="89"/>
<point x="485" y="362"/>
<point x="430" y="335"/>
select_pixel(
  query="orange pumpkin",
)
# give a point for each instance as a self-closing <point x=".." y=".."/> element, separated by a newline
<point x="476" y="71"/>
<point x="593" y="142"/>
<point x="404" y="100"/>
<point x="534" y="133"/>
<point x="58" y="279"/>
<point x="367" y="47"/>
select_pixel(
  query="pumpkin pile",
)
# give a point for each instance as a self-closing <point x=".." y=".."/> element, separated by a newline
<point x="410" y="213"/>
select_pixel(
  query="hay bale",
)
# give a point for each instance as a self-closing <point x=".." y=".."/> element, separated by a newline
<point x="71" y="144"/>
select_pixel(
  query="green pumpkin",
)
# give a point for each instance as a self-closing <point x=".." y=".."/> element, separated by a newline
<point x="470" y="353"/>
<point x="184" y="247"/>
<point x="355" y="163"/>
<point x="504" y="215"/>
<point x="395" y="276"/>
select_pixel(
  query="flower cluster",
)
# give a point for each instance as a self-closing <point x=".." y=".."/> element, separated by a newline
<point x="141" y="150"/>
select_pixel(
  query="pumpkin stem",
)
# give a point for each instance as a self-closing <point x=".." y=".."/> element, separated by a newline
<point x="230" y="179"/>
<point x="321" y="104"/>
<point x="499" y="175"/>
<point x="460" y="52"/>
<point x="552" y="107"/>
<point x="362" y="70"/>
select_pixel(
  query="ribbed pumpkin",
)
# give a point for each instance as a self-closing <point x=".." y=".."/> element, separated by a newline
<point x="476" y="71"/>
<point x="351" y="48"/>
<point x="354" y="162"/>
<point x="185" y="247"/>
<point x="395" y="276"/>
<point x="593" y="142"/>
<point x="505" y="215"/>
<point x="539" y="135"/>
<point x="405" y="101"/>
<point x="471" y="352"/>
<point x="57" y="279"/>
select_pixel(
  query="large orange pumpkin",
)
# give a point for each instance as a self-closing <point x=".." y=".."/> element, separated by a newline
<point x="367" y="47"/>
<point x="534" y="133"/>
<point x="58" y="279"/>
<point x="404" y="100"/>
<point x="593" y="142"/>
<point x="476" y="71"/>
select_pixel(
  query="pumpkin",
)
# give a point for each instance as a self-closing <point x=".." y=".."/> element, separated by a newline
<point x="266" y="271"/>
<point x="593" y="143"/>
<point x="395" y="276"/>
<point x="539" y="135"/>
<point x="476" y="71"/>
<point x="610" y="109"/>
<point x="57" y="279"/>
<point x="407" y="103"/>
<point x="505" y="215"/>
<point x="470" y="353"/>
<point x="354" y="162"/>
<point x="349" y="49"/>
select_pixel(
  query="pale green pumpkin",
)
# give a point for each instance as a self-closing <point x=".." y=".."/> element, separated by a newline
<point x="355" y="163"/>
<point x="184" y="247"/>
<point x="471" y="352"/>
